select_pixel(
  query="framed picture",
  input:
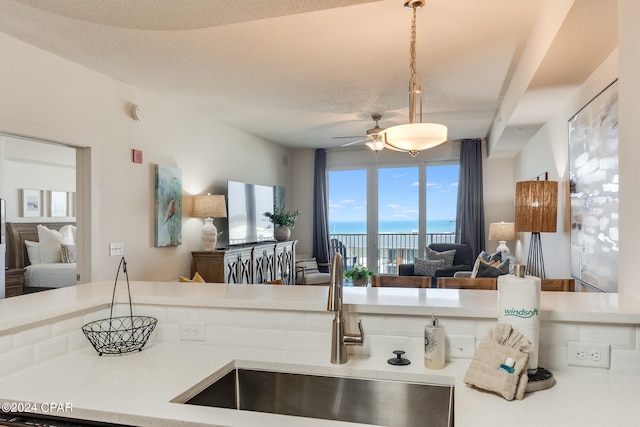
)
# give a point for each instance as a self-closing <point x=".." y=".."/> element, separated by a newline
<point x="593" y="191"/>
<point x="58" y="203"/>
<point x="168" y="206"/>
<point x="31" y="203"/>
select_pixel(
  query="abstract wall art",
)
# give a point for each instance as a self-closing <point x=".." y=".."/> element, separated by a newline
<point x="168" y="206"/>
<point x="593" y="189"/>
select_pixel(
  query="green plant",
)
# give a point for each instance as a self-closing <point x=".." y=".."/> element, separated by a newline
<point x="358" y="272"/>
<point x="284" y="218"/>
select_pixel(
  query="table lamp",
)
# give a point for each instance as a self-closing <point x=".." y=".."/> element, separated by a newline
<point x="502" y="231"/>
<point x="209" y="207"/>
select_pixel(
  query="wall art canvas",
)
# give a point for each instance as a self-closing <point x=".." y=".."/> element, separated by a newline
<point x="593" y="189"/>
<point x="58" y="203"/>
<point x="278" y="197"/>
<point x="31" y="203"/>
<point x="168" y="206"/>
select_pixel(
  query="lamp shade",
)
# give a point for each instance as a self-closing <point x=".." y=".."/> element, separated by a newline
<point x="536" y="206"/>
<point x="414" y="137"/>
<point x="209" y="206"/>
<point x="502" y="231"/>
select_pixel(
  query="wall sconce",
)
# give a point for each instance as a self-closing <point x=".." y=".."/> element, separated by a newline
<point x="536" y="212"/>
<point x="209" y="207"/>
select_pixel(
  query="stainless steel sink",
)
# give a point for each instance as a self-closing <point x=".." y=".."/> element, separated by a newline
<point x="359" y="400"/>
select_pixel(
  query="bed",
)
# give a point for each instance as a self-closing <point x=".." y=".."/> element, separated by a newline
<point x="38" y="276"/>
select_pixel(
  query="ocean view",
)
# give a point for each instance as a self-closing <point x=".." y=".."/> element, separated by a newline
<point x="359" y="227"/>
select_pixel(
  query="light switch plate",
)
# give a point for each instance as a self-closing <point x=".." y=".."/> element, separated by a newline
<point x="116" y="249"/>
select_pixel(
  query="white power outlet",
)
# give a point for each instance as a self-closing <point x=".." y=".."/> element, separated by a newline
<point x="594" y="355"/>
<point x="461" y="346"/>
<point x="192" y="331"/>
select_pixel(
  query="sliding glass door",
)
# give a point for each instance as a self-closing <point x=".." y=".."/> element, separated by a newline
<point x="348" y="212"/>
<point x="387" y="215"/>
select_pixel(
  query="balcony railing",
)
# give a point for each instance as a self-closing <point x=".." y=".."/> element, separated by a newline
<point x="393" y="248"/>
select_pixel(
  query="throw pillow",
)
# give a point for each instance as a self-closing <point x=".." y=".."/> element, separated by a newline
<point x="68" y="252"/>
<point x="487" y="270"/>
<point x="197" y="278"/>
<point x="446" y="256"/>
<point x="33" y="252"/>
<point x="490" y="257"/>
<point x="310" y="266"/>
<point x="50" y="241"/>
<point x="427" y="267"/>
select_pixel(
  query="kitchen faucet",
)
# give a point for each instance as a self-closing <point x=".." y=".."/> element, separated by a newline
<point x="339" y="338"/>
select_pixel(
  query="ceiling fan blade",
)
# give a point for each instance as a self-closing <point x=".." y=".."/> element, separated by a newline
<point x="347" y="137"/>
<point x="352" y="142"/>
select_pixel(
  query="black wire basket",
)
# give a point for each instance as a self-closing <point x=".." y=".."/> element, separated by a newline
<point x="123" y="334"/>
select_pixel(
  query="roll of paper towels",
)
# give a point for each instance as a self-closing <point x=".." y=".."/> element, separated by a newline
<point x="519" y="306"/>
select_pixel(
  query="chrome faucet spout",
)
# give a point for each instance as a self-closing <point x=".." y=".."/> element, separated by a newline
<point x="335" y="284"/>
<point x="339" y="338"/>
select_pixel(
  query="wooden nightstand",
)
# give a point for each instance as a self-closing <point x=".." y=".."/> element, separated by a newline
<point x="13" y="282"/>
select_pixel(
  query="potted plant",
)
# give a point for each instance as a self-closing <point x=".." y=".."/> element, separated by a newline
<point x="359" y="275"/>
<point x="284" y="221"/>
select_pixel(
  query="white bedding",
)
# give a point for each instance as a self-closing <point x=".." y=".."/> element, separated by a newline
<point x="57" y="275"/>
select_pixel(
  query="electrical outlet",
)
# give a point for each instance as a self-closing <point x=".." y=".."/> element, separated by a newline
<point x="461" y="346"/>
<point x="594" y="355"/>
<point x="116" y="249"/>
<point x="192" y="331"/>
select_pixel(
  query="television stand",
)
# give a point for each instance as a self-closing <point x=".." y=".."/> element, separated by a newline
<point x="249" y="264"/>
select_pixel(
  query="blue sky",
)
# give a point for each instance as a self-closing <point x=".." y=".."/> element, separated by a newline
<point x="398" y="194"/>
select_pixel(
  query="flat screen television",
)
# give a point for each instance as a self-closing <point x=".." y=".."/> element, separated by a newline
<point x="249" y="208"/>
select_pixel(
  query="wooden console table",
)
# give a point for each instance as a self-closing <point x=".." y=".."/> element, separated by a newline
<point x="257" y="263"/>
<point x="13" y="282"/>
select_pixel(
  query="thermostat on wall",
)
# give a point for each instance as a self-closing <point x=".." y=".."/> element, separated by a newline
<point x="137" y="112"/>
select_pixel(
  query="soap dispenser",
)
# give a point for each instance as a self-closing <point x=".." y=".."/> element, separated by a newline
<point x="434" y="344"/>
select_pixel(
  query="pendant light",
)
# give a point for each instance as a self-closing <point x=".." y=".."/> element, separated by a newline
<point x="414" y="136"/>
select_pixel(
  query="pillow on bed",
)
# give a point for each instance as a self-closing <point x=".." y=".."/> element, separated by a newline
<point x="33" y="252"/>
<point x="68" y="252"/>
<point x="50" y="241"/>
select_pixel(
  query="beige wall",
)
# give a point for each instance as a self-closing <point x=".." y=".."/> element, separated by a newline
<point x="51" y="98"/>
<point x="629" y="93"/>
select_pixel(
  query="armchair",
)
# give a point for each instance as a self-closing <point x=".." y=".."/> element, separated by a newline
<point x="338" y="247"/>
<point x="307" y="273"/>
<point x="462" y="261"/>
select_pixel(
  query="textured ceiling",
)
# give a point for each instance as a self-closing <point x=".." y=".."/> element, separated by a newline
<point x="299" y="73"/>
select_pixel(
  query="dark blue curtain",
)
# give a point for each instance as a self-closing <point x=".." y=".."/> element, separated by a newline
<point x="470" y="208"/>
<point x="320" y="209"/>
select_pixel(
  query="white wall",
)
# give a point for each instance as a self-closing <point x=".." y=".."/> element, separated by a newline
<point x="51" y="98"/>
<point x="36" y="166"/>
<point x="548" y="151"/>
<point x="629" y="129"/>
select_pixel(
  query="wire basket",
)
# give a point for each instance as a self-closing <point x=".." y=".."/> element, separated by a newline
<point x="123" y="334"/>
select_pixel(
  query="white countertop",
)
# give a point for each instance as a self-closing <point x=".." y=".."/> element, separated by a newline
<point x="137" y="388"/>
<point x="557" y="306"/>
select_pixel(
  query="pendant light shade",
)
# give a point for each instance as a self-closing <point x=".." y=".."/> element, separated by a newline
<point x="414" y="136"/>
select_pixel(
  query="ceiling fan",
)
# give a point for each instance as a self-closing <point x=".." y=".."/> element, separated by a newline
<point x="373" y="135"/>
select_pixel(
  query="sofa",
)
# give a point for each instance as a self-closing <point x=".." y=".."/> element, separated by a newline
<point x="462" y="261"/>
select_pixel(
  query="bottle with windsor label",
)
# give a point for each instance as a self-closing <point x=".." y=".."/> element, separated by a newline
<point x="434" y="344"/>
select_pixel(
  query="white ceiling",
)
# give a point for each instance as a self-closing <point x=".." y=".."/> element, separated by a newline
<point x="299" y="72"/>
